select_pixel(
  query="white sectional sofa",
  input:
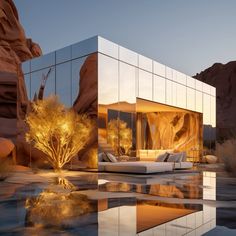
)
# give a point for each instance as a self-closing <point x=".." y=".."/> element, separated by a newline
<point x="173" y="161"/>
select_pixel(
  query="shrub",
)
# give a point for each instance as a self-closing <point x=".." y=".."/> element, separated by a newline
<point x="227" y="153"/>
<point x="57" y="131"/>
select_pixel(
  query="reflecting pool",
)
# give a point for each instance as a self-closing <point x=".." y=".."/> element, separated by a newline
<point x="80" y="203"/>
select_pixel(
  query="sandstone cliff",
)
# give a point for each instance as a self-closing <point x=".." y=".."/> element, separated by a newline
<point x="223" y="77"/>
<point x="14" y="49"/>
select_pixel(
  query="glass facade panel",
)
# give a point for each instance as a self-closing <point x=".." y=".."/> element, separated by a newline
<point x="27" y="84"/>
<point x="198" y="85"/>
<point x="36" y="81"/>
<point x="190" y="99"/>
<point x="107" y="47"/>
<point x="63" y="83"/>
<point x="75" y="76"/>
<point x="26" y="67"/>
<point x="206" y="88"/>
<point x="190" y="82"/>
<point x="36" y="78"/>
<point x="198" y="101"/>
<point x="181" y="96"/>
<point x="174" y="94"/>
<point x="84" y="47"/>
<point x="128" y="56"/>
<point x="159" y="69"/>
<point x="127" y="83"/>
<point x="169" y="92"/>
<point x="63" y="55"/>
<point x="159" y="89"/>
<point x="213" y="91"/>
<point x="206" y="109"/>
<point x="145" y="63"/>
<point x="180" y="78"/>
<point x="50" y="84"/>
<point x="145" y="85"/>
<point x="39" y="63"/>
<point x="213" y="112"/>
<point x="169" y="73"/>
<point x="108" y="80"/>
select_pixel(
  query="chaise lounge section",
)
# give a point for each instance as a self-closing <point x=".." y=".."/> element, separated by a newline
<point x="138" y="167"/>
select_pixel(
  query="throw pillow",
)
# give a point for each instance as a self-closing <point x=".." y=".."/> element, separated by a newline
<point x="111" y="157"/>
<point x="162" y="157"/>
<point x="106" y="158"/>
<point x="175" y="157"/>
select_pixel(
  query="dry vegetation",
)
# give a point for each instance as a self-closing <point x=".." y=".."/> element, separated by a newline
<point x="227" y="153"/>
<point x="57" y="131"/>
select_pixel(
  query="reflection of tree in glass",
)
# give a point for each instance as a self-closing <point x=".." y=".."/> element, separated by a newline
<point x="119" y="136"/>
<point x="57" y="131"/>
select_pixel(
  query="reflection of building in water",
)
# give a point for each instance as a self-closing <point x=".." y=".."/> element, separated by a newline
<point x="143" y="217"/>
<point x="184" y="188"/>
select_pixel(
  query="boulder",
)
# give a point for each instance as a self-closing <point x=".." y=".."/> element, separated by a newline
<point x="6" y="147"/>
<point x="211" y="159"/>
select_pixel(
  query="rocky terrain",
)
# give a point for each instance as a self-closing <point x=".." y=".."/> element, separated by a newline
<point x="223" y="77"/>
<point x="14" y="49"/>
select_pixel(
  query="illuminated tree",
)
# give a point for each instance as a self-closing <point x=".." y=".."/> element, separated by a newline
<point x="119" y="136"/>
<point x="57" y="131"/>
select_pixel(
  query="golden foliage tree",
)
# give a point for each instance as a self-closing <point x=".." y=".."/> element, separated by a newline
<point x="57" y="131"/>
<point x="119" y="136"/>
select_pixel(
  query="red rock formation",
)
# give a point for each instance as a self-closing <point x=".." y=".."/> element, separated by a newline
<point x="223" y="77"/>
<point x="14" y="49"/>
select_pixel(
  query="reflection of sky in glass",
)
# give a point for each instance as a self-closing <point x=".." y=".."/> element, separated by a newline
<point x="145" y="85"/>
<point x="127" y="83"/>
<point x="107" y="80"/>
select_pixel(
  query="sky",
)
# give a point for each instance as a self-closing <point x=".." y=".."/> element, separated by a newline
<point x="187" y="35"/>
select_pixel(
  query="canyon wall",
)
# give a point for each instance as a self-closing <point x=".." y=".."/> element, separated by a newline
<point x="14" y="49"/>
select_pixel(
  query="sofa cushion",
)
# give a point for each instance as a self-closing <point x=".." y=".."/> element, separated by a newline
<point x="162" y="157"/>
<point x="106" y="158"/>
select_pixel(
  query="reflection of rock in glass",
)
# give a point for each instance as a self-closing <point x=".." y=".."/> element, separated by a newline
<point x="86" y="102"/>
<point x="119" y="136"/>
<point x="57" y="206"/>
<point x="42" y="86"/>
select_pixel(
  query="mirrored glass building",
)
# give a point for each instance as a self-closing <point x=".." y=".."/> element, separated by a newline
<point x="140" y="105"/>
